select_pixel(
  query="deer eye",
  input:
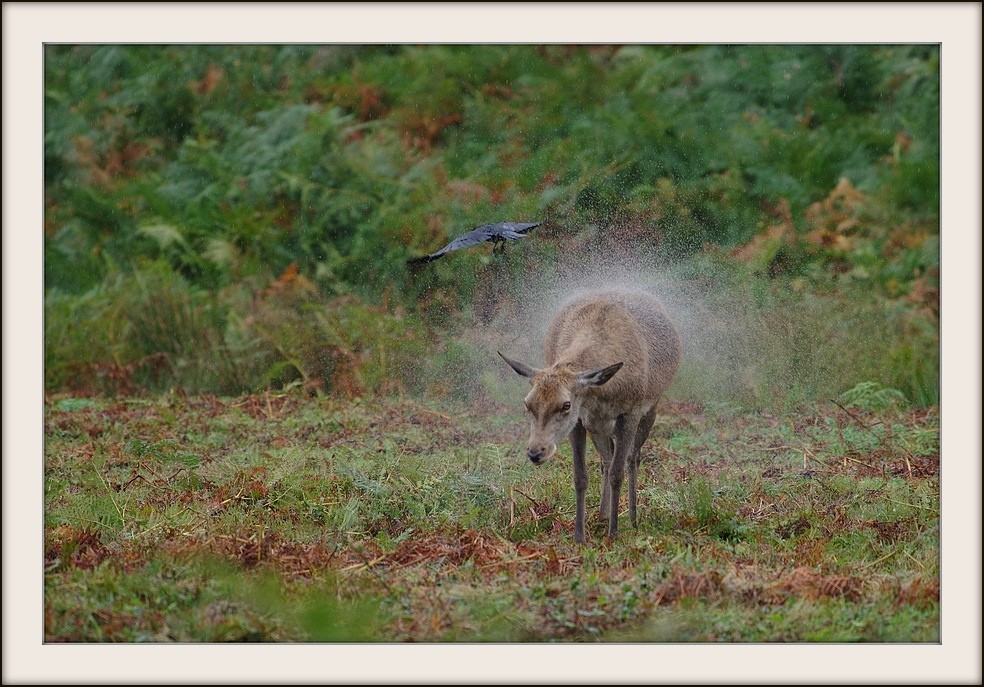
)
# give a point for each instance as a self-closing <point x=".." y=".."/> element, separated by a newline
<point x="567" y="406"/>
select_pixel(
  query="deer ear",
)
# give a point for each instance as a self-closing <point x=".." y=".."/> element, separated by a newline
<point x="521" y="369"/>
<point x="599" y="376"/>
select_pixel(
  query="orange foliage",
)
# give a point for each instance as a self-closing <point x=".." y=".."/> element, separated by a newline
<point x="835" y="217"/>
<point x="212" y="78"/>
<point x="421" y="132"/>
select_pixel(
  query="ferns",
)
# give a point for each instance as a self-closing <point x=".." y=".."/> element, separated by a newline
<point x="228" y="164"/>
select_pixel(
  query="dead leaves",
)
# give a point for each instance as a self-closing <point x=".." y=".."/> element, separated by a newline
<point x="756" y="585"/>
<point x="212" y="78"/>
<point x="93" y="379"/>
<point x="422" y="131"/>
<point x="104" y="164"/>
<point x="769" y="250"/>
<point x="440" y="554"/>
<point x="81" y="547"/>
<point x="681" y="584"/>
<point x="489" y="554"/>
<point x="264" y="547"/>
<point x="835" y="218"/>
<point x="831" y="223"/>
<point x="806" y="583"/>
<point x="836" y="224"/>
<point x="368" y="101"/>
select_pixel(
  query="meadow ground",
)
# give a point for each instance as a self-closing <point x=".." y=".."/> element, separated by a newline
<point x="277" y="517"/>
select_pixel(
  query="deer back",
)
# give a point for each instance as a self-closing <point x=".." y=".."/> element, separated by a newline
<point x="625" y="326"/>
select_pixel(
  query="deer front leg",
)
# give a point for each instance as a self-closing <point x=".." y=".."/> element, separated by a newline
<point x="606" y="449"/>
<point x="625" y="429"/>
<point x="642" y="433"/>
<point x="577" y="438"/>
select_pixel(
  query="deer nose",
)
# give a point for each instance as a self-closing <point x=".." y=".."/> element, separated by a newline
<point x="535" y="454"/>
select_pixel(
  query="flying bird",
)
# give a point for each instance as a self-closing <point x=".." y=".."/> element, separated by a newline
<point x="497" y="234"/>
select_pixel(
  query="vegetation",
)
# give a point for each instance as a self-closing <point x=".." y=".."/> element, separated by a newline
<point x="262" y="425"/>
<point x="284" y="518"/>
<point x="189" y="187"/>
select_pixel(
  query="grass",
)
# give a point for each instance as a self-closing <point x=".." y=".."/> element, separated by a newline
<point x="284" y="518"/>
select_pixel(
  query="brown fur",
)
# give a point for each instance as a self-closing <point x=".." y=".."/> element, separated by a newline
<point x="610" y="355"/>
<point x="612" y="326"/>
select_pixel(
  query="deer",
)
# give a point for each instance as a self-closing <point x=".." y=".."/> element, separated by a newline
<point x="610" y="357"/>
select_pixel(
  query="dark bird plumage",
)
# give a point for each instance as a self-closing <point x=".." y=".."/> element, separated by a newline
<point x="498" y="234"/>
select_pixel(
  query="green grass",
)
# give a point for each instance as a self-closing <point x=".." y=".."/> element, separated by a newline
<point x="286" y="518"/>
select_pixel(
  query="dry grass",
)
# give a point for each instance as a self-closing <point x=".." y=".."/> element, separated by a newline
<point x="423" y="513"/>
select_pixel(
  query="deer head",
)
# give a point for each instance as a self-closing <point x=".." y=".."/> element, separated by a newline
<point x="554" y="403"/>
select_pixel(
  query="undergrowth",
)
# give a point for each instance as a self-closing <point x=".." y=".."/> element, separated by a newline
<point x="230" y="219"/>
<point x="284" y="518"/>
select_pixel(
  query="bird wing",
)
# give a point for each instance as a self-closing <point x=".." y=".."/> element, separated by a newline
<point x="480" y="234"/>
<point x="473" y="237"/>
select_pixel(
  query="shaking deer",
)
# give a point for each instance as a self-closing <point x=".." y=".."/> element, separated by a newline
<point x="610" y="356"/>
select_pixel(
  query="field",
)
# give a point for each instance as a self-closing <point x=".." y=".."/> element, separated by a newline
<point x="278" y="517"/>
<point x="264" y="422"/>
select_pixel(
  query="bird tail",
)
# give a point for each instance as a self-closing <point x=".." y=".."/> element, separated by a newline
<point x="422" y="260"/>
<point x="520" y="231"/>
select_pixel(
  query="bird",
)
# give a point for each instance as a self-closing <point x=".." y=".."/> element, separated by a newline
<point x="497" y="234"/>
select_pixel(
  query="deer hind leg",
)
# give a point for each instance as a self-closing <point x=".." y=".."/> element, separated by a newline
<point x="606" y="449"/>
<point x="625" y="432"/>
<point x="642" y="433"/>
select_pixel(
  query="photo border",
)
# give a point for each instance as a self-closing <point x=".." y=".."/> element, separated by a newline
<point x="27" y="26"/>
